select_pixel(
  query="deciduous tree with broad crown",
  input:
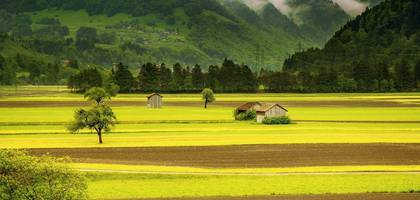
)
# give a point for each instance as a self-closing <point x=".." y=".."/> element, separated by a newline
<point x="208" y="96"/>
<point x="99" y="118"/>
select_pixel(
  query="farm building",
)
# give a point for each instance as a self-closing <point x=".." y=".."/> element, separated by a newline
<point x="248" y="106"/>
<point x="270" y="110"/>
<point x="154" y="101"/>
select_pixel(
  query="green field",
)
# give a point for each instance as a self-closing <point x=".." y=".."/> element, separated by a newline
<point x="143" y="135"/>
<point x="153" y="186"/>
<point x="318" y="119"/>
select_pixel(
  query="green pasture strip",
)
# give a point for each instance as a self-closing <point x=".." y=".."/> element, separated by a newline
<point x="197" y="138"/>
<point x="256" y="171"/>
<point x="139" y="114"/>
<point x="223" y="128"/>
<point x="129" y="113"/>
<point x="117" y="185"/>
<point x="76" y="19"/>
<point x="221" y="98"/>
<point x="32" y="88"/>
<point x="54" y="93"/>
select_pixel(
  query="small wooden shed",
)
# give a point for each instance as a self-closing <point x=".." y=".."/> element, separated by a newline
<point x="248" y="106"/>
<point x="270" y="110"/>
<point x="154" y="100"/>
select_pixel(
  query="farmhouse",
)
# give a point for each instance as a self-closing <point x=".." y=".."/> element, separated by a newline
<point x="248" y="106"/>
<point x="270" y="110"/>
<point x="154" y="101"/>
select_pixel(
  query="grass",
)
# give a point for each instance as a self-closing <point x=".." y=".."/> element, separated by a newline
<point x="76" y="19"/>
<point x="225" y="128"/>
<point x="197" y="138"/>
<point x="113" y="186"/>
<point x="142" y="114"/>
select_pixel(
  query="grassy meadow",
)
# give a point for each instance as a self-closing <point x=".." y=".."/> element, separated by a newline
<point x="318" y="119"/>
<point x="155" y="186"/>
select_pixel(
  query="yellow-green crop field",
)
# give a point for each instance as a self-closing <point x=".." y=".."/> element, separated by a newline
<point x="318" y="119"/>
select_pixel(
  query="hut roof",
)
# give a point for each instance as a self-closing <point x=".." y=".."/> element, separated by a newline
<point x="248" y="106"/>
<point x="266" y="107"/>
<point x="154" y="94"/>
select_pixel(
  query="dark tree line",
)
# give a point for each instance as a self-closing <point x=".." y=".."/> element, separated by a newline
<point x="229" y="77"/>
<point x="85" y="79"/>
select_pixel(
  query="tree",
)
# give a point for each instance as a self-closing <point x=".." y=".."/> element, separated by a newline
<point x="178" y="77"/>
<point x="112" y="89"/>
<point x="123" y="78"/>
<point x="197" y="77"/>
<point x="2" y="67"/>
<point x="52" y="72"/>
<point x="97" y="95"/>
<point x="99" y="118"/>
<point x="2" y="63"/>
<point x="404" y="80"/>
<point x="85" y="80"/>
<point x="212" y="77"/>
<point x="165" y="77"/>
<point x="149" y="77"/>
<point x="208" y="96"/>
<point x="23" y="177"/>
<point x="417" y="73"/>
<point x="86" y="38"/>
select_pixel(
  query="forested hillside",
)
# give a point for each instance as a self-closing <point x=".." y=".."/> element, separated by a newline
<point x="133" y="32"/>
<point x="377" y="51"/>
<point x="189" y="32"/>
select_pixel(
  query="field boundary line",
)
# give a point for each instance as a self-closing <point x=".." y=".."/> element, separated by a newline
<point x="124" y="122"/>
<point x="359" y="121"/>
<point x="249" y="174"/>
<point x="199" y="122"/>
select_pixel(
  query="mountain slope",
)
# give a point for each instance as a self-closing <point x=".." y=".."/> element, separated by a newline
<point x="318" y="19"/>
<point x="170" y="31"/>
<point x="380" y="48"/>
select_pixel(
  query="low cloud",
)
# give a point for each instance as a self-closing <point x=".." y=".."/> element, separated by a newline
<point x="352" y="7"/>
<point x="281" y="5"/>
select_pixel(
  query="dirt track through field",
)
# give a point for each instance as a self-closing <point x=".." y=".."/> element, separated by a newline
<point x="249" y="156"/>
<point x="370" y="196"/>
<point x="344" y="103"/>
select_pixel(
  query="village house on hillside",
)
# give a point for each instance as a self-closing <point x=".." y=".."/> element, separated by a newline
<point x="154" y="100"/>
<point x="270" y="110"/>
<point x="248" y="106"/>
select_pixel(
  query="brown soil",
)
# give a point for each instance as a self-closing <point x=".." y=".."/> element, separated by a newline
<point x="370" y="196"/>
<point x="353" y="103"/>
<point x="249" y="156"/>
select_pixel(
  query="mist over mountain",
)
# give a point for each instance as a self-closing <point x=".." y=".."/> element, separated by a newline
<point x="351" y="7"/>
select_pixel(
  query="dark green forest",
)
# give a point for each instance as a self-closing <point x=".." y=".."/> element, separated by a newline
<point x="377" y="51"/>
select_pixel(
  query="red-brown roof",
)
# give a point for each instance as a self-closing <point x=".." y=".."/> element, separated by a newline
<point x="247" y="106"/>
<point x="154" y="94"/>
<point x="267" y="107"/>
